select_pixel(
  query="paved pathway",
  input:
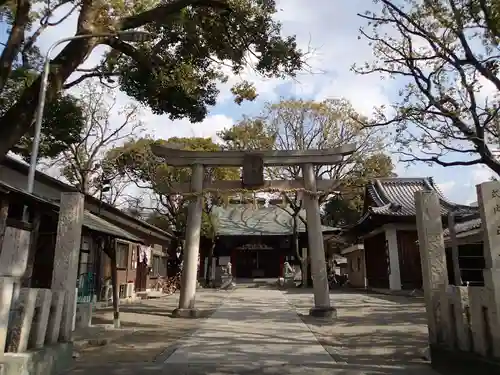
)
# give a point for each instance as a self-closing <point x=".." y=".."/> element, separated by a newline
<point x="254" y="331"/>
<point x="258" y="331"/>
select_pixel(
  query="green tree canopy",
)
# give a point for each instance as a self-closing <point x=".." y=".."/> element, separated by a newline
<point x="176" y="73"/>
<point x="62" y="122"/>
<point x="345" y="210"/>
<point x="136" y="160"/>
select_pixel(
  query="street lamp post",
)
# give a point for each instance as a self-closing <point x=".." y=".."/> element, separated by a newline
<point x="124" y="35"/>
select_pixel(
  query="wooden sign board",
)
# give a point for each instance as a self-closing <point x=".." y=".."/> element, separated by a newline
<point x="253" y="171"/>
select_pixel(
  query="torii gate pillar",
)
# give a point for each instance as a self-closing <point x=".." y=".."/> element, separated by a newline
<point x="189" y="276"/>
<point x="322" y="307"/>
<point x="308" y="159"/>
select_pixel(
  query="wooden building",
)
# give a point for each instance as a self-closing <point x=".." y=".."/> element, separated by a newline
<point x="131" y="236"/>
<point x="256" y="240"/>
<point x="387" y="231"/>
<point x="356" y="265"/>
<point x="469" y="240"/>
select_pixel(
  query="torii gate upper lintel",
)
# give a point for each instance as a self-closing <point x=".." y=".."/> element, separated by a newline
<point x="197" y="160"/>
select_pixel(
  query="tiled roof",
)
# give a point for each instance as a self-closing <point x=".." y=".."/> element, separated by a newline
<point x="241" y="220"/>
<point x="465" y="226"/>
<point x="395" y="197"/>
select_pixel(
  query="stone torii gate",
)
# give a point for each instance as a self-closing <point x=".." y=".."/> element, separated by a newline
<point x="253" y="163"/>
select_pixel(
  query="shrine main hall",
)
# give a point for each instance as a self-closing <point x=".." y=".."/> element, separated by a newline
<point x="256" y="238"/>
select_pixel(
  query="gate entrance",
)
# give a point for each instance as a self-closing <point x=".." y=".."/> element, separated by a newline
<point x="253" y="163"/>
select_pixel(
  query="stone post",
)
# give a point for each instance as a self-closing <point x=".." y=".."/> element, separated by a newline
<point x="6" y="292"/>
<point x="432" y="256"/>
<point x="488" y="194"/>
<point x="322" y="305"/>
<point x="66" y="254"/>
<point x="192" y="246"/>
<point x="14" y="253"/>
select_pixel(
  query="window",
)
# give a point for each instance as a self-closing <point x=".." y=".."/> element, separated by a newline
<point x="133" y="258"/>
<point x="159" y="266"/>
<point x="359" y="263"/>
<point x="121" y="254"/>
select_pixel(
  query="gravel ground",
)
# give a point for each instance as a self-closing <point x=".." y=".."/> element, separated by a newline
<point x="148" y="333"/>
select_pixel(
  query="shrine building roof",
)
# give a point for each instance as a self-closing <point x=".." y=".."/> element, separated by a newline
<point x="245" y="220"/>
<point x="393" y="199"/>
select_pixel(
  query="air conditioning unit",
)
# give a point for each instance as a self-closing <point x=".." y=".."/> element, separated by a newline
<point x="123" y="291"/>
<point x="130" y="290"/>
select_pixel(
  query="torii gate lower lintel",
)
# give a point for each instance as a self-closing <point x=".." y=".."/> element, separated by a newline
<point x="197" y="160"/>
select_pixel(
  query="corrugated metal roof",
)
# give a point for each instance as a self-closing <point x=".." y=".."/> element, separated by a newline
<point x="90" y="220"/>
<point x="396" y="197"/>
<point x="241" y="220"/>
<point x="97" y="224"/>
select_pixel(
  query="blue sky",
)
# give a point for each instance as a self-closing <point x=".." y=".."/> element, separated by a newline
<point x="331" y="29"/>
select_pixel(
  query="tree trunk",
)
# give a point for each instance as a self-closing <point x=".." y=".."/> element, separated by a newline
<point x="19" y="118"/>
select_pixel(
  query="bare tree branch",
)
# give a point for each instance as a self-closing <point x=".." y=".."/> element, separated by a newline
<point x="82" y="164"/>
<point x="446" y="52"/>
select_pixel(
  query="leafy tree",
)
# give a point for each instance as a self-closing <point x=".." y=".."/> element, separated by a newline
<point x="176" y="73"/>
<point x="446" y="53"/>
<point x="248" y="134"/>
<point x="62" y="121"/>
<point x="136" y="161"/>
<point x="304" y="125"/>
<point x="81" y="162"/>
<point x="341" y="211"/>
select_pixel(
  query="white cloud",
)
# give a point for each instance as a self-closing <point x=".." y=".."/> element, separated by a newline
<point x="332" y="31"/>
<point x="480" y="174"/>
<point x="164" y="128"/>
<point x="446" y="187"/>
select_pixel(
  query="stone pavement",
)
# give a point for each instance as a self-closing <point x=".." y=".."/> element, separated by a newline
<point x="254" y="331"/>
<point x="258" y="331"/>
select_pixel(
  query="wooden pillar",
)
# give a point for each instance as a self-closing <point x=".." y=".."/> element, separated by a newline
<point x="114" y="283"/>
<point x="322" y="305"/>
<point x="391" y="237"/>
<point x="282" y="264"/>
<point x="4" y="213"/>
<point x="66" y="256"/>
<point x="192" y="244"/>
<point x="305" y="267"/>
<point x="432" y="256"/>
